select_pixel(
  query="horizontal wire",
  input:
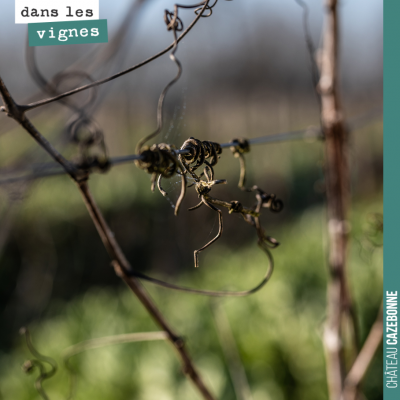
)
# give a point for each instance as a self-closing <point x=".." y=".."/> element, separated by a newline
<point x="114" y="161"/>
<point x="51" y="169"/>
<point x="33" y="176"/>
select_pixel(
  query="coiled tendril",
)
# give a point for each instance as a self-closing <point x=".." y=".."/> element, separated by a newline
<point x="238" y="148"/>
<point x="172" y="21"/>
<point x="160" y="160"/>
<point x="264" y="200"/>
<point x="208" y="8"/>
<point x="82" y="128"/>
<point x="30" y="365"/>
<point x="160" y="163"/>
<point x="198" y="154"/>
<point x="88" y="136"/>
<point x="268" y="200"/>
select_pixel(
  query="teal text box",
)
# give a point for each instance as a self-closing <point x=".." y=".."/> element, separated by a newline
<point x="391" y="192"/>
<point x="68" y="32"/>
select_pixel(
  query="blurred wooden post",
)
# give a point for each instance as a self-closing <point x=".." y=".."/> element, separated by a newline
<point x="337" y="195"/>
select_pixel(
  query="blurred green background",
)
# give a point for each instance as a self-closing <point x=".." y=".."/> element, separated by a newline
<point x="55" y="275"/>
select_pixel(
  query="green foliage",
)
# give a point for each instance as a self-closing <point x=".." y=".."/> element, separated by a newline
<point x="278" y="330"/>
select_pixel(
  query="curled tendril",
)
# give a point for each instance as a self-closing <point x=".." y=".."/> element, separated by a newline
<point x="30" y="365"/>
<point x="157" y="160"/>
<point x="239" y="147"/>
<point x="236" y="207"/>
<point x="208" y="8"/>
<point x="93" y="153"/>
<point x="264" y="200"/>
<point x="202" y="189"/>
<point x="212" y="293"/>
<point x="88" y="136"/>
<point x="161" y="161"/>
<point x="199" y="152"/>
<point x="61" y="77"/>
<point x="251" y="216"/>
<point x="172" y="21"/>
<point x="375" y="229"/>
<point x="267" y="200"/>
<point x="83" y="130"/>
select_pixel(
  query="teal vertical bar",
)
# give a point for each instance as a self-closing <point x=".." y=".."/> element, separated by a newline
<point x="391" y="192"/>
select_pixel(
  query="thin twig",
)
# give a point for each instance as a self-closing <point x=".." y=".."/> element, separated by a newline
<point x="364" y="358"/>
<point x="15" y="111"/>
<point x="102" y="342"/>
<point x="30" y="365"/>
<point x="310" y="47"/>
<point x="110" y="340"/>
<point x="40" y="103"/>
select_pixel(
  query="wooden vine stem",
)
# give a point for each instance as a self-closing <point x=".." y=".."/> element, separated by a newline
<point x="337" y="196"/>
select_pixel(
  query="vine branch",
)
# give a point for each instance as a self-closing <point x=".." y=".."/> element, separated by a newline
<point x="120" y="263"/>
<point x="333" y="126"/>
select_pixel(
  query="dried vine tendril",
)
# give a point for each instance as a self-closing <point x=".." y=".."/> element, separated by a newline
<point x="206" y="153"/>
<point x="161" y="160"/>
<point x="82" y="129"/>
<point x="198" y="153"/>
<point x="238" y="148"/>
<point x="200" y="7"/>
<point x="202" y="189"/>
<point x="264" y="200"/>
<point x="211" y="293"/>
<point x="174" y="24"/>
<point x="30" y="365"/>
<point x="206" y="149"/>
<point x="250" y="215"/>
